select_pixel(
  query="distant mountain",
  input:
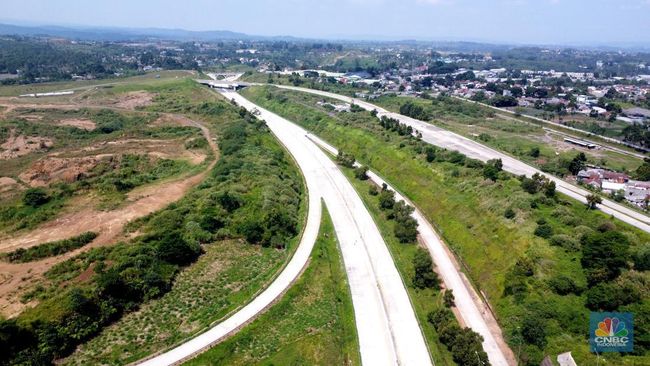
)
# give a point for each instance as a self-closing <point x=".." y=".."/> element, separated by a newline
<point x="128" y="34"/>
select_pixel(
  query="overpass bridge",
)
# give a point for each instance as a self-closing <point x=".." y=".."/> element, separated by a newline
<point x="222" y="84"/>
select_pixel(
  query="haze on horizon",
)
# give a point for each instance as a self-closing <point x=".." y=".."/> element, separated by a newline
<point x="584" y="22"/>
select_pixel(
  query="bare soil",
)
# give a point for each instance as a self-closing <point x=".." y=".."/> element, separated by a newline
<point x="52" y="169"/>
<point x="83" y="124"/>
<point x="134" y="100"/>
<point x="19" y="145"/>
<point x="81" y="216"/>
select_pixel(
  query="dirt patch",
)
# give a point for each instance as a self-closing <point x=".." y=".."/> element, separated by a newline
<point x="83" y="124"/>
<point x="53" y="169"/>
<point x="8" y="186"/>
<point x="19" y="145"/>
<point x="134" y="100"/>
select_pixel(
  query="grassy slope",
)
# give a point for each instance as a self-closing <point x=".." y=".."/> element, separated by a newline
<point x="508" y="135"/>
<point x="313" y="324"/>
<point x="468" y="212"/>
<point x="228" y="275"/>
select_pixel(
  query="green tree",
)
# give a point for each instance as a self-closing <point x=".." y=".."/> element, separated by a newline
<point x="424" y="276"/>
<point x="593" y="200"/>
<point x="604" y="255"/>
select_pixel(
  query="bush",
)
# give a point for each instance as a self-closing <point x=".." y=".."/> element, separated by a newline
<point x="533" y="331"/>
<point x="361" y="173"/>
<point x="509" y="214"/>
<point x="544" y="231"/>
<point x="609" y="296"/>
<point x="346" y="160"/>
<point x="35" y="197"/>
<point x="564" y="285"/>
<point x="424" y="276"/>
<point x="372" y="190"/>
<point x="386" y="199"/>
<point x="448" y="298"/>
<point x="565" y="242"/>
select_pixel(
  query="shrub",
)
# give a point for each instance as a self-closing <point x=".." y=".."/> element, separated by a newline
<point x="386" y="199"/>
<point x="509" y="214"/>
<point x="564" y="285"/>
<point x="642" y="258"/>
<point x="609" y="296"/>
<point x="361" y="173"/>
<point x="372" y="190"/>
<point x="565" y="242"/>
<point x="35" y="197"/>
<point x="448" y="298"/>
<point x="544" y="231"/>
<point x="533" y="331"/>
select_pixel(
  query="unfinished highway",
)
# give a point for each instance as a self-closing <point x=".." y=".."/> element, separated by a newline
<point x="452" y="141"/>
<point x="388" y="330"/>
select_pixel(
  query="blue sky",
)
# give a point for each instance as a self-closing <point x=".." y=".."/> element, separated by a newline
<point x="516" y="21"/>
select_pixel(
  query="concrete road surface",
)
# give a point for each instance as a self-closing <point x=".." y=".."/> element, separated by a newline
<point x="388" y="331"/>
<point x="452" y="141"/>
<point x="471" y="308"/>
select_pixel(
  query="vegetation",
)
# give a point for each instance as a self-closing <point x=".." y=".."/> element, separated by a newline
<point x="315" y="319"/>
<point x="253" y="175"/>
<point x="50" y="249"/>
<point x="520" y="273"/>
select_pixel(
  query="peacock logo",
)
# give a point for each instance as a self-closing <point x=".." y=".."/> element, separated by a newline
<point x="611" y="327"/>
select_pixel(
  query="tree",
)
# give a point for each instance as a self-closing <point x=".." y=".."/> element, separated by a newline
<point x="35" y="197"/>
<point x="424" y="276"/>
<point x="534" y="152"/>
<point x="361" y="173"/>
<point x="386" y="199"/>
<point x="533" y="331"/>
<point x="604" y="255"/>
<point x="593" y="200"/>
<point x="577" y="164"/>
<point x="549" y="189"/>
<point x="448" y="298"/>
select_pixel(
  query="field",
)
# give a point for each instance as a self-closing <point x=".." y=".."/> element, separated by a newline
<point x="515" y="269"/>
<point x="68" y="299"/>
<point x="313" y="323"/>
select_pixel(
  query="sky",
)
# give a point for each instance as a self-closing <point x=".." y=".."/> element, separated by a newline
<point x="584" y="22"/>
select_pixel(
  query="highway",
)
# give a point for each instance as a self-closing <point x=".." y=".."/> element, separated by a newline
<point x="473" y="312"/>
<point x="452" y="141"/>
<point x="388" y="331"/>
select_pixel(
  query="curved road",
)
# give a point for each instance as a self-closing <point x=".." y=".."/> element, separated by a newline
<point x="452" y="141"/>
<point x="388" y="331"/>
<point x="470" y="307"/>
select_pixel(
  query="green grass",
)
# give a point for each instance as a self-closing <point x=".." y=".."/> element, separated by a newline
<point x="49" y="249"/>
<point x="313" y="323"/>
<point x="468" y="212"/>
<point x="224" y="278"/>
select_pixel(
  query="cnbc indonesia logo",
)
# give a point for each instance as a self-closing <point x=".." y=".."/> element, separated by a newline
<point x="611" y="332"/>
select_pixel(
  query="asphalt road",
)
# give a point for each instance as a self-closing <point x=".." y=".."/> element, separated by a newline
<point x="452" y="141"/>
<point x="471" y="308"/>
<point x="388" y="331"/>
